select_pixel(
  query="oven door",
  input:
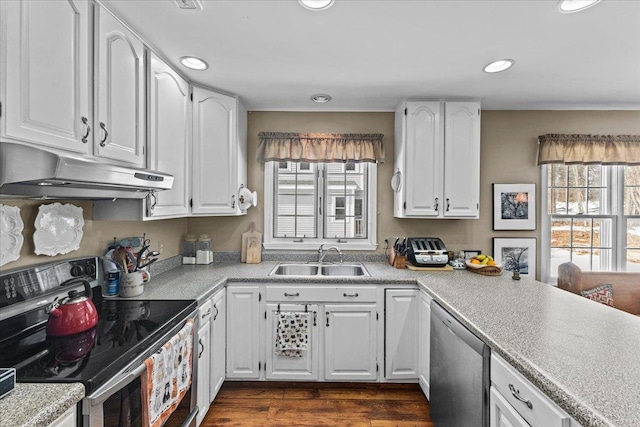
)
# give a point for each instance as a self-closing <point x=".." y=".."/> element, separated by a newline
<point x="119" y="401"/>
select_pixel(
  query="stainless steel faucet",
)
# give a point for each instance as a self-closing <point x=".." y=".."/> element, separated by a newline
<point x="322" y="252"/>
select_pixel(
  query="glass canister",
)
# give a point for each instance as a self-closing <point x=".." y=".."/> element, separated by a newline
<point x="204" y="254"/>
<point x="189" y="249"/>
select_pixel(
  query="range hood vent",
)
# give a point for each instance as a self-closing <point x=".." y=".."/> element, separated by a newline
<point x="27" y="171"/>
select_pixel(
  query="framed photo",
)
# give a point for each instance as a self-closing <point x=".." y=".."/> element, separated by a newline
<point x="516" y="254"/>
<point x="468" y="254"/>
<point x="514" y="206"/>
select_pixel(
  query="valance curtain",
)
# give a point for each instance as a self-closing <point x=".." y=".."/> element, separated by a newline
<point x="589" y="149"/>
<point x="320" y="147"/>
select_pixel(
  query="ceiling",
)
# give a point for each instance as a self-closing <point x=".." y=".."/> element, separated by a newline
<point x="368" y="55"/>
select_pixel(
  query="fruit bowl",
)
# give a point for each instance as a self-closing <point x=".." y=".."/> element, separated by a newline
<point x="485" y="270"/>
<point x="478" y="266"/>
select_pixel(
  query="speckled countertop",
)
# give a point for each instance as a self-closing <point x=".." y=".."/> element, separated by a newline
<point x="35" y="405"/>
<point x="583" y="355"/>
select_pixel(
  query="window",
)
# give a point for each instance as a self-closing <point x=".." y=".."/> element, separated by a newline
<point x="308" y="204"/>
<point x="593" y="218"/>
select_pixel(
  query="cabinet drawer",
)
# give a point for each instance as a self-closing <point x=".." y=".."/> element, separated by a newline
<point x="204" y="312"/>
<point x="528" y="401"/>
<point x="321" y="293"/>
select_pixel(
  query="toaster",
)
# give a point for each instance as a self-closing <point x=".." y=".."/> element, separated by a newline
<point x="427" y="252"/>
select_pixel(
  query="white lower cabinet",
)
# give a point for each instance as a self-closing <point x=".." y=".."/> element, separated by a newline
<point x="401" y="347"/>
<point x="515" y="401"/>
<point x="285" y="367"/>
<point x="204" y="357"/>
<point x="350" y="342"/>
<point x="424" y="336"/>
<point x="244" y="329"/>
<point x="218" y="343"/>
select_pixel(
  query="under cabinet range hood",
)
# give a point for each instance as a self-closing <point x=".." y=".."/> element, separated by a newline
<point x="27" y="171"/>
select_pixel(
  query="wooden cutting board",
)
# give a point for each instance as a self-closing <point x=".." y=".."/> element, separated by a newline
<point x="447" y="267"/>
<point x="254" y="250"/>
<point x="252" y="233"/>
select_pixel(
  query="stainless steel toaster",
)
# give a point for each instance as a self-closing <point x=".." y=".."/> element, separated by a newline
<point x="427" y="252"/>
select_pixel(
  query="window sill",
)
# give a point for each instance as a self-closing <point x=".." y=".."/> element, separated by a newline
<point x="314" y="245"/>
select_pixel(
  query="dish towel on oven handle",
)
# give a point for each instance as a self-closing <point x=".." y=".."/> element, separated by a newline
<point x="292" y="333"/>
<point x="167" y="377"/>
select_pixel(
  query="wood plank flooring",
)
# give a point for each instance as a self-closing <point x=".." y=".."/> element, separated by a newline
<point x="287" y="404"/>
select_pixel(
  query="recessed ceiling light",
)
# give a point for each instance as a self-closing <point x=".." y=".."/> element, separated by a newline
<point x="570" y="6"/>
<point x="499" y="65"/>
<point x="321" y="98"/>
<point x="194" y="63"/>
<point x="316" y="4"/>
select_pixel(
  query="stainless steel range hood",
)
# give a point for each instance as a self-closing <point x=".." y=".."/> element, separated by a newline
<point x="27" y="171"/>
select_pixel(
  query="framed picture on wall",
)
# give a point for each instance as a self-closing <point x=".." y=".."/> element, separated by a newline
<point x="516" y="254"/>
<point x="514" y="206"/>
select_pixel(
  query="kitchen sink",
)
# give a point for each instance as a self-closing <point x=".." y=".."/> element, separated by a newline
<point x="319" y="269"/>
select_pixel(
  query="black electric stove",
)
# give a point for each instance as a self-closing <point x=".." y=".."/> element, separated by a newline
<point x="124" y="331"/>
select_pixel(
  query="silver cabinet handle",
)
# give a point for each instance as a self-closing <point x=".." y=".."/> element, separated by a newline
<point x="436" y="208"/>
<point x="233" y="202"/>
<point x="327" y="319"/>
<point x="106" y="134"/>
<point x="86" y="135"/>
<point x="297" y="294"/>
<point x="350" y="295"/>
<point x="447" y="204"/>
<point x="516" y="394"/>
<point x="206" y="314"/>
<point x="215" y="316"/>
<point x="201" y="351"/>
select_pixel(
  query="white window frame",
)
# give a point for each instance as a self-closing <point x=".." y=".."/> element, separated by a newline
<point x="615" y="202"/>
<point x="289" y="243"/>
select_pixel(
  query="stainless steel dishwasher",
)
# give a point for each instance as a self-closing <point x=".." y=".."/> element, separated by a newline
<point x="459" y="369"/>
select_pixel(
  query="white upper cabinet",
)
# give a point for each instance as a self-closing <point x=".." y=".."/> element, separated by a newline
<point x="45" y="73"/>
<point x="219" y="153"/>
<point x="437" y="159"/>
<point x="119" y="91"/>
<point x="169" y="115"/>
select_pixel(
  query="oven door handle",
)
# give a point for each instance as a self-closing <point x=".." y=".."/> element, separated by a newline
<point x="103" y="394"/>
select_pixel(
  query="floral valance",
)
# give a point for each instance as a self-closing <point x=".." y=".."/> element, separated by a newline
<point x="589" y="149"/>
<point x="320" y="147"/>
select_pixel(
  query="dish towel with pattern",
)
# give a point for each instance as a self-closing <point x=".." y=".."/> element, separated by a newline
<point x="167" y="377"/>
<point x="292" y="333"/>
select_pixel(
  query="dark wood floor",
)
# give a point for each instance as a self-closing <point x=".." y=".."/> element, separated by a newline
<point x="318" y="404"/>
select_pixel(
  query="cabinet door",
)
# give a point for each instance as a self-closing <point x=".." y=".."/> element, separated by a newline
<point x="462" y="159"/>
<point x="169" y="131"/>
<point x="218" y="343"/>
<point x="215" y="156"/>
<point x="423" y="163"/>
<point x="119" y="77"/>
<point x="424" y="322"/>
<point x="350" y="342"/>
<point x="204" y="357"/>
<point x="243" y="332"/>
<point x="502" y="413"/>
<point x="45" y="83"/>
<point x="401" y="333"/>
<point x="280" y="367"/>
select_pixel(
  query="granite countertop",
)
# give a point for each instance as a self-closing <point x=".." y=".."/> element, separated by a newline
<point x="38" y="404"/>
<point x="583" y="355"/>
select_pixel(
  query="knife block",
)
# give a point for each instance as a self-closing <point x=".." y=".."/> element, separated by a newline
<point x="397" y="260"/>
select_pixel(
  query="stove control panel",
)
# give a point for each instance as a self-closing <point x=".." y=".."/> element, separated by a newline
<point x="26" y="284"/>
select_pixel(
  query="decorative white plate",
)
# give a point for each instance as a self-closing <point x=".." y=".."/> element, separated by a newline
<point x="58" y="229"/>
<point x="11" y="239"/>
<point x="247" y="198"/>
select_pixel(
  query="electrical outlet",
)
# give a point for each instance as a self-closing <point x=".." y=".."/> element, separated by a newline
<point x="161" y="246"/>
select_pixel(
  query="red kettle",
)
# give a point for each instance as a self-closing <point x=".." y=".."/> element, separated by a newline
<point x="72" y="314"/>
